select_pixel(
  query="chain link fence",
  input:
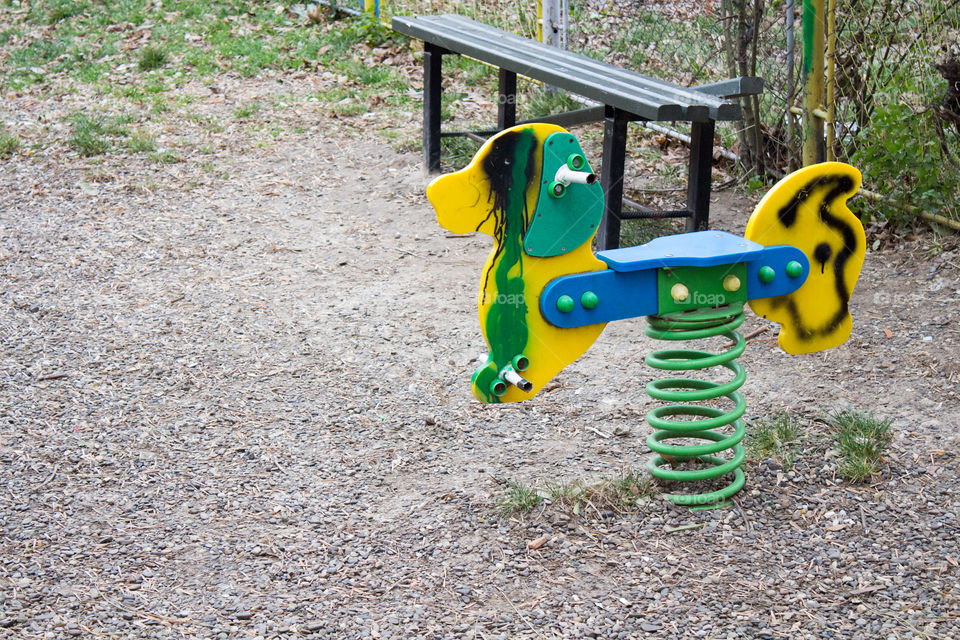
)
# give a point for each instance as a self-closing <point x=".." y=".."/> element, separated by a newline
<point x="898" y="101"/>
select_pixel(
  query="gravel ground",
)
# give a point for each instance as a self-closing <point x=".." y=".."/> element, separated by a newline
<point x="238" y="406"/>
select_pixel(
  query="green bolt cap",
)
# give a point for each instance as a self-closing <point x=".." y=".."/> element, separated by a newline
<point x="576" y="161"/>
<point x="557" y="189"/>
<point x="589" y="300"/>
<point x="520" y="362"/>
<point x="564" y="304"/>
<point x="766" y="274"/>
<point x="794" y="269"/>
<point x="498" y="387"/>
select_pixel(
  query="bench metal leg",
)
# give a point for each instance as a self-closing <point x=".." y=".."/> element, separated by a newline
<point x="611" y="179"/>
<point x="507" y="100"/>
<point x="432" y="92"/>
<point x="700" y="176"/>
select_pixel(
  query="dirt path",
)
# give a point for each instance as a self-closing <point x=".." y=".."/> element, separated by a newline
<point x="238" y="406"/>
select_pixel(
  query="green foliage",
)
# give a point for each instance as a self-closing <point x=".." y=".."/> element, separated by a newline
<point x="861" y="438"/>
<point x="519" y="499"/>
<point x="901" y="158"/>
<point x="368" y="28"/>
<point x="775" y="438"/>
<point x="151" y="58"/>
<point x="204" y="37"/>
<point x="9" y="144"/>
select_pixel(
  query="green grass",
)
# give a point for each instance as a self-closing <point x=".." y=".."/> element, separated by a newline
<point x="458" y="151"/>
<point x="636" y="232"/>
<point x="348" y="107"/>
<point x="189" y="40"/>
<point x="861" y="438"/>
<point x="775" y="438"/>
<point x="159" y="104"/>
<point x="472" y="73"/>
<point x="683" y="39"/>
<point x="621" y="493"/>
<point x="540" y="102"/>
<point x="63" y="9"/>
<point x="93" y="134"/>
<point x="89" y="134"/>
<point x="519" y="499"/>
<point x="246" y="111"/>
<point x="141" y="142"/>
<point x="151" y="58"/>
<point x="9" y="144"/>
<point x="166" y="157"/>
<point x="195" y="37"/>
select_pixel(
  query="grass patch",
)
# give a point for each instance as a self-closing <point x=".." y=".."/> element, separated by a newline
<point x="457" y="152"/>
<point x="141" y="142"/>
<point x="63" y="10"/>
<point x="159" y="104"/>
<point x="246" y="111"/>
<point x="540" y="102"/>
<point x="621" y="493"/>
<point x="348" y="107"/>
<point x="618" y="494"/>
<point x="473" y="73"/>
<point x="861" y="438"/>
<point x="166" y="157"/>
<point x="775" y="438"/>
<point x="92" y="133"/>
<point x="204" y="38"/>
<point x="9" y="144"/>
<point x="519" y="499"/>
<point x="636" y="232"/>
<point x="151" y="58"/>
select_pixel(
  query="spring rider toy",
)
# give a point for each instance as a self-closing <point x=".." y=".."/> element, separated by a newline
<point x="545" y="297"/>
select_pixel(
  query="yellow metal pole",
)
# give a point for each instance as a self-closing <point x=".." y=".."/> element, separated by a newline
<point x="831" y="78"/>
<point x="813" y="44"/>
<point x="540" y="20"/>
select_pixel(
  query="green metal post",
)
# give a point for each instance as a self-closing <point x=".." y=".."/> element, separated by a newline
<point x="813" y="66"/>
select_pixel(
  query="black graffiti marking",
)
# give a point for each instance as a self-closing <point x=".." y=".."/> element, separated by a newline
<point x="498" y="168"/>
<point x="822" y="254"/>
<point x="788" y="213"/>
<point x="838" y="186"/>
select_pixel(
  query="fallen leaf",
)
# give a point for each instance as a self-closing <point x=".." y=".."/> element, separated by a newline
<point x="888" y="333"/>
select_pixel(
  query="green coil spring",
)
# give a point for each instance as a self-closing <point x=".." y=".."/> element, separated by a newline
<point x="703" y="323"/>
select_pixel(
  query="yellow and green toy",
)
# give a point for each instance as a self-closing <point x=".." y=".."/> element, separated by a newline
<point x="545" y="297"/>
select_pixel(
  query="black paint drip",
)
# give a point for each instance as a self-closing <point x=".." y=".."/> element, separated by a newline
<point x="822" y="254"/>
<point x="498" y="166"/>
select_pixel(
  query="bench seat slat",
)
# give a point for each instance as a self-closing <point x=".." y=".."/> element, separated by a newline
<point x="650" y="109"/>
<point x="600" y="78"/>
<point x="645" y="97"/>
<point x="603" y="70"/>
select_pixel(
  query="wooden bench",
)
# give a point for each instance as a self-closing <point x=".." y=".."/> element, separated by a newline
<point x="622" y="96"/>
